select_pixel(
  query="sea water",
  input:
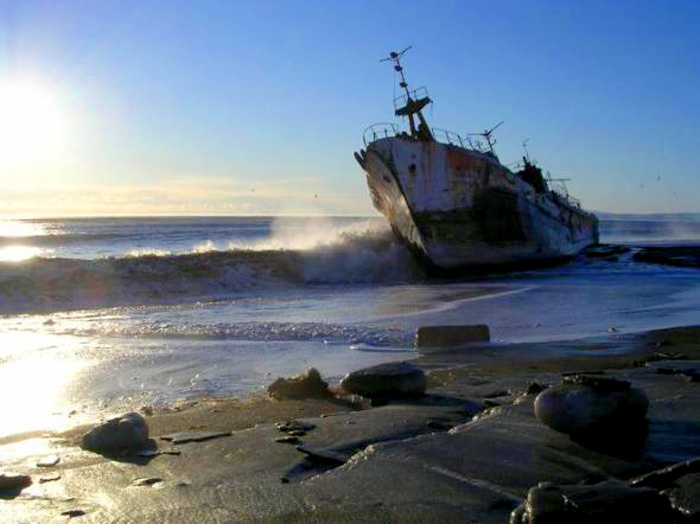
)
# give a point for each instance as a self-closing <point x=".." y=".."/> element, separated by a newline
<point x="105" y="314"/>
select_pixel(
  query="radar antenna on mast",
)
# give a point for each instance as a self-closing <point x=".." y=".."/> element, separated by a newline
<point x="527" y="153"/>
<point x="487" y="135"/>
<point x="412" y="103"/>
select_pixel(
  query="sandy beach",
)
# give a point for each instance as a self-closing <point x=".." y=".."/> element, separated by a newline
<point x="467" y="451"/>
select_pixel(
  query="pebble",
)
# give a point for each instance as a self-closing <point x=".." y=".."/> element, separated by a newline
<point x="288" y="440"/>
<point x="48" y="461"/>
<point x="147" y="481"/>
<point x="194" y="436"/>
<point x="49" y="478"/>
<point x="294" y="425"/>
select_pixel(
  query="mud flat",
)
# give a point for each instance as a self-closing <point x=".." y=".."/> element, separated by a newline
<point x="467" y="451"/>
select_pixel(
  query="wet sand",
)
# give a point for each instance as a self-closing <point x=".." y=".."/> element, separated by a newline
<point x="466" y="452"/>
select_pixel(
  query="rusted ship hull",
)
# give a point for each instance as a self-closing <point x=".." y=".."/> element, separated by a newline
<point x="458" y="207"/>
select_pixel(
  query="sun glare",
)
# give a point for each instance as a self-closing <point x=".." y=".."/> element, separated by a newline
<point x="32" y="128"/>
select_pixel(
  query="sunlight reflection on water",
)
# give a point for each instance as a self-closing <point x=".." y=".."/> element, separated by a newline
<point x="19" y="253"/>
<point x="18" y="229"/>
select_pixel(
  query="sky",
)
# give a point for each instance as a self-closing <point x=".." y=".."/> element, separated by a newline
<point x="255" y="108"/>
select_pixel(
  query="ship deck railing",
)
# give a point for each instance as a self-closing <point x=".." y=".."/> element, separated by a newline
<point x="455" y="139"/>
<point x="379" y="130"/>
<point x="389" y="130"/>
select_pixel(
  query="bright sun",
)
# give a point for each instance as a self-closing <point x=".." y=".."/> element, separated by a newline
<point x="32" y="128"/>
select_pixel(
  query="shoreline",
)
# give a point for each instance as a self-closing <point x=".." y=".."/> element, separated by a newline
<point x="435" y="445"/>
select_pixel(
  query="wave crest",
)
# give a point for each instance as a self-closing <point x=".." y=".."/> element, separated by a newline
<point x="355" y="254"/>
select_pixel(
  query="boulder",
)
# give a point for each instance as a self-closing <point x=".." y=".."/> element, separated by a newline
<point x="586" y="404"/>
<point x="128" y="432"/>
<point x="450" y="336"/>
<point x="307" y="385"/>
<point x="608" y="502"/>
<point x="394" y="379"/>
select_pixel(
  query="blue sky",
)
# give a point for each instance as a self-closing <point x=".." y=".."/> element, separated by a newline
<point x="256" y="107"/>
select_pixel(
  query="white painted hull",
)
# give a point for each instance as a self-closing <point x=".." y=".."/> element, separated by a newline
<point x="458" y="207"/>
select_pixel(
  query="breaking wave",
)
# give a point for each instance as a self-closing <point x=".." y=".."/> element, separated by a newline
<point x="329" y="333"/>
<point x="358" y="254"/>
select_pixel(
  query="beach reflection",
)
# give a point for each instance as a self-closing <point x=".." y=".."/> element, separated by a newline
<point x="34" y="380"/>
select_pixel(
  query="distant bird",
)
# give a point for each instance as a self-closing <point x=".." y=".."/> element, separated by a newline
<point x="315" y="196"/>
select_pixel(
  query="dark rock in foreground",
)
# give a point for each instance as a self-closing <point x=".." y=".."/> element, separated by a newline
<point x="129" y="432"/>
<point x="683" y="256"/>
<point x="611" y="501"/>
<point x="307" y="385"/>
<point x="395" y="379"/>
<point x="13" y="482"/>
<point x="585" y="404"/>
<point x="450" y="336"/>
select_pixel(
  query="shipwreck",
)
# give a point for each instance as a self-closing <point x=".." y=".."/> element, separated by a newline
<point x="452" y="201"/>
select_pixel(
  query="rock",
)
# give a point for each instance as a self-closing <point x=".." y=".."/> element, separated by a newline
<point x="689" y="368"/>
<point x="589" y="404"/>
<point x="14" y="482"/>
<point x="664" y="478"/>
<point x="394" y="379"/>
<point x="685" y="496"/>
<point x="194" y="436"/>
<point x="535" y="388"/>
<point x="307" y="385"/>
<point x="49" y="478"/>
<point x="607" y="502"/>
<point x="606" y="251"/>
<point x="48" y="461"/>
<point x="129" y="432"/>
<point x="680" y="256"/>
<point x="147" y="481"/>
<point x="294" y="425"/>
<point x="324" y="456"/>
<point x="288" y="439"/>
<point x="449" y="336"/>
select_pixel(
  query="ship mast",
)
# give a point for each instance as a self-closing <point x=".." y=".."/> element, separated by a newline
<point x="413" y="103"/>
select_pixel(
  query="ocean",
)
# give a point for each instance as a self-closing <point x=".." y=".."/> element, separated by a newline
<point x="100" y="315"/>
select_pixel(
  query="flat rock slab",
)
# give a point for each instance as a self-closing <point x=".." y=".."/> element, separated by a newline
<point x="324" y="455"/>
<point x="451" y="336"/>
<point x="48" y="461"/>
<point x="194" y="436"/>
<point x="685" y="367"/>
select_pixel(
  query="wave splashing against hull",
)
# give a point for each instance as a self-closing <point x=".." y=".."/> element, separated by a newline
<point x="320" y="254"/>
